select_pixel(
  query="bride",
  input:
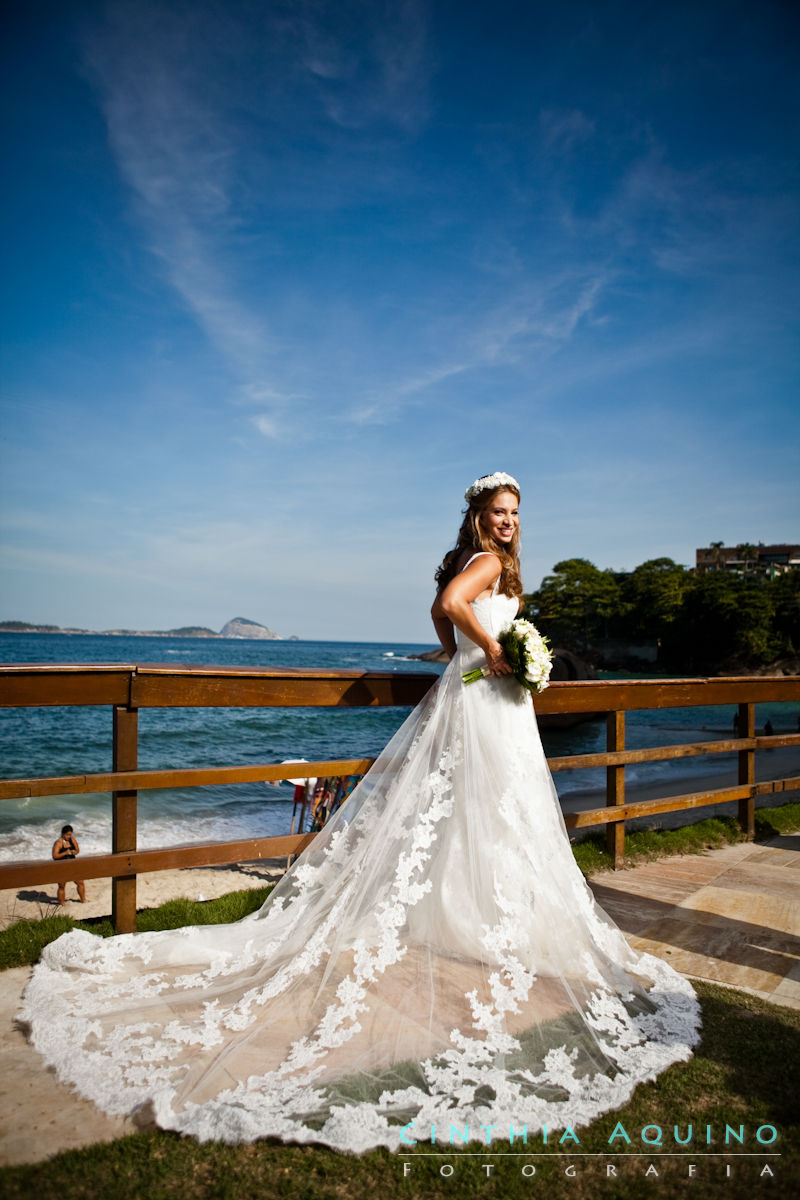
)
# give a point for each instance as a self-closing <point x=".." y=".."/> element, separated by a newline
<point x="434" y="959"/>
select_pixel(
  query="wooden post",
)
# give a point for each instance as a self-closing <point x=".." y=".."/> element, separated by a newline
<point x="123" y="834"/>
<point x="615" y="787"/>
<point x="746" y="727"/>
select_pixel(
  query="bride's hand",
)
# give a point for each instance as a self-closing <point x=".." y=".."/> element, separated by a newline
<point x="496" y="660"/>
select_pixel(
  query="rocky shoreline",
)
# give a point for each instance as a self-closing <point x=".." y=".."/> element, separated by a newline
<point x="584" y="664"/>
<point x="238" y="627"/>
<point x="781" y="666"/>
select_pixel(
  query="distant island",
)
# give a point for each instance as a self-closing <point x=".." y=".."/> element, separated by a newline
<point x="238" y="627"/>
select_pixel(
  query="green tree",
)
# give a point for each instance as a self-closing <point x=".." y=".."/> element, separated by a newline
<point x="653" y="594"/>
<point x="748" y="553"/>
<point x="717" y="557"/>
<point x="576" y="603"/>
<point x="784" y="593"/>
<point x="703" y="622"/>
<point x="723" y="617"/>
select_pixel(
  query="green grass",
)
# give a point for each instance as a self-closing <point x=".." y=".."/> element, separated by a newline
<point x="783" y="819"/>
<point x="741" y="1074"/>
<point x="644" y="844"/>
<point x="22" y="943"/>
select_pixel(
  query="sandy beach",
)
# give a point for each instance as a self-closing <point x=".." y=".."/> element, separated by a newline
<point x="196" y="883"/>
<point x="206" y="883"/>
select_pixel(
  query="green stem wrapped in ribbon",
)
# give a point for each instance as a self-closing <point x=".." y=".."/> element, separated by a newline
<point x="475" y="674"/>
<point x="528" y="652"/>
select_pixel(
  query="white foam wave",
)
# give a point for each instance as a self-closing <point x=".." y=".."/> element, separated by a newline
<point x="93" y="831"/>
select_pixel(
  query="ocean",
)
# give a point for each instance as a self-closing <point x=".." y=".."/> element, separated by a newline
<point x="51" y="741"/>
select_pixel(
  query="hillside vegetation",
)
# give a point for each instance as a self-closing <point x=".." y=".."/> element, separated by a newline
<point x="703" y="623"/>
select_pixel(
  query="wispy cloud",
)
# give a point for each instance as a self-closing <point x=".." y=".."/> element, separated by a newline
<point x="539" y="319"/>
<point x="177" y="151"/>
<point x="266" y="425"/>
<point x="687" y="220"/>
<point x="200" y="160"/>
<point x="563" y="129"/>
<point x="375" y="226"/>
<point x="559" y="322"/>
<point x="383" y="75"/>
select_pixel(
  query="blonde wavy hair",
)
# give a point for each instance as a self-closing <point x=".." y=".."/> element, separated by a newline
<point x="473" y="537"/>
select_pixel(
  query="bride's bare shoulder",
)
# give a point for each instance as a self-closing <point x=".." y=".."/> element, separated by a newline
<point x="485" y="557"/>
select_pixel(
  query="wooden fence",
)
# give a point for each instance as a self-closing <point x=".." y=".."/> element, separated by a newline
<point x="126" y="688"/>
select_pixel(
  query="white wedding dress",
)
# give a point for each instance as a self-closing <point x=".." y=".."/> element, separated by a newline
<point x="434" y="958"/>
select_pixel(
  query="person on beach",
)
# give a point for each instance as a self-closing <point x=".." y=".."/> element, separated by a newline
<point x="67" y="847"/>
<point x="434" y="959"/>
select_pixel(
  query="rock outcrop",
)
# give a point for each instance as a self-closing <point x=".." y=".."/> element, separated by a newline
<point x="438" y="656"/>
<point x="242" y="627"/>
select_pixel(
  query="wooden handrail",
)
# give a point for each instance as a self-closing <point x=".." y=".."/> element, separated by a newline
<point x="160" y="685"/>
<point x="174" y="777"/>
<point x="128" y="687"/>
<point x="610" y="758"/>
<point x="114" y="866"/>
<point x="104" y="866"/>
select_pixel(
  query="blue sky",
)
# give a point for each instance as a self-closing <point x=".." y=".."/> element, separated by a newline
<point x="284" y="278"/>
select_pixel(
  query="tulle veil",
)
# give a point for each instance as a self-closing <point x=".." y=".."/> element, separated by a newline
<point x="433" y="958"/>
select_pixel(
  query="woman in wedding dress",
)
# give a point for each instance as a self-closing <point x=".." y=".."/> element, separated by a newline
<point x="434" y="959"/>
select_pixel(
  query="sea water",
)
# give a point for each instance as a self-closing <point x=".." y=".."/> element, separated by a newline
<point x="65" y="741"/>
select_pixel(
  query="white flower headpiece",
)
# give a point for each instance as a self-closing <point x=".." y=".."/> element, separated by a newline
<point x="489" y="481"/>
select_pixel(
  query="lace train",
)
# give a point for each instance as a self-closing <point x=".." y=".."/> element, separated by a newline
<point x="433" y="958"/>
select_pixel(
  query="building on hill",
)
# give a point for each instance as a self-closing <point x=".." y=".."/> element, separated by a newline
<point x="746" y="559"/>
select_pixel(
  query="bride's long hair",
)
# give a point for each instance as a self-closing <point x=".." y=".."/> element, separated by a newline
<point x="473" y="537"/>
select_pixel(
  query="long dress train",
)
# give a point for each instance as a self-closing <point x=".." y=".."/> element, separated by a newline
<point x="434" y="958"/>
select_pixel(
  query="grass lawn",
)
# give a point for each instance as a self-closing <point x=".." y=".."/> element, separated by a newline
<point x="644" y="844"/>
<point x="744" y="1073"/>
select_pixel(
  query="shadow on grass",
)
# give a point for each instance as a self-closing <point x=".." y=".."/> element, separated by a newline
<point x="741" y="1074"/>
<point x="758" y="1046"/>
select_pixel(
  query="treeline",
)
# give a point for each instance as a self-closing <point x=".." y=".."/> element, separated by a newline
<point x="713" y="621"/>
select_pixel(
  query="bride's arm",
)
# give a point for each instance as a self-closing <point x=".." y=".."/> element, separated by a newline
<point x="452" y="605"/>
<point x="444" y="630"/>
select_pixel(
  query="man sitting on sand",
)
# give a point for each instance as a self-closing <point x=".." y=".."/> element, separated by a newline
<point x="67" y="847"/>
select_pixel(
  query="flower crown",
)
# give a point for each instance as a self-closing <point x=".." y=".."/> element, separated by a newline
<point x="490" y="481"/>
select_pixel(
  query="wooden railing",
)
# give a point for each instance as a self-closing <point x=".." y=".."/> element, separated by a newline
<point x="126" y="688"/>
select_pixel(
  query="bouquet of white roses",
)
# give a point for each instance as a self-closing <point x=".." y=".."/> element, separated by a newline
<point x="527" y="651"/>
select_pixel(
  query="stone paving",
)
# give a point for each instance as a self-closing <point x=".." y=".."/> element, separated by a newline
<point x="731" y="916"/>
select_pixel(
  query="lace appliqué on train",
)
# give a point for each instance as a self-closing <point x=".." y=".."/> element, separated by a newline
<point x="433" y="957"/>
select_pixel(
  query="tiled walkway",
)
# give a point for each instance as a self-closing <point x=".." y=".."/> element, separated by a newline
<point x="732" y="916"/>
